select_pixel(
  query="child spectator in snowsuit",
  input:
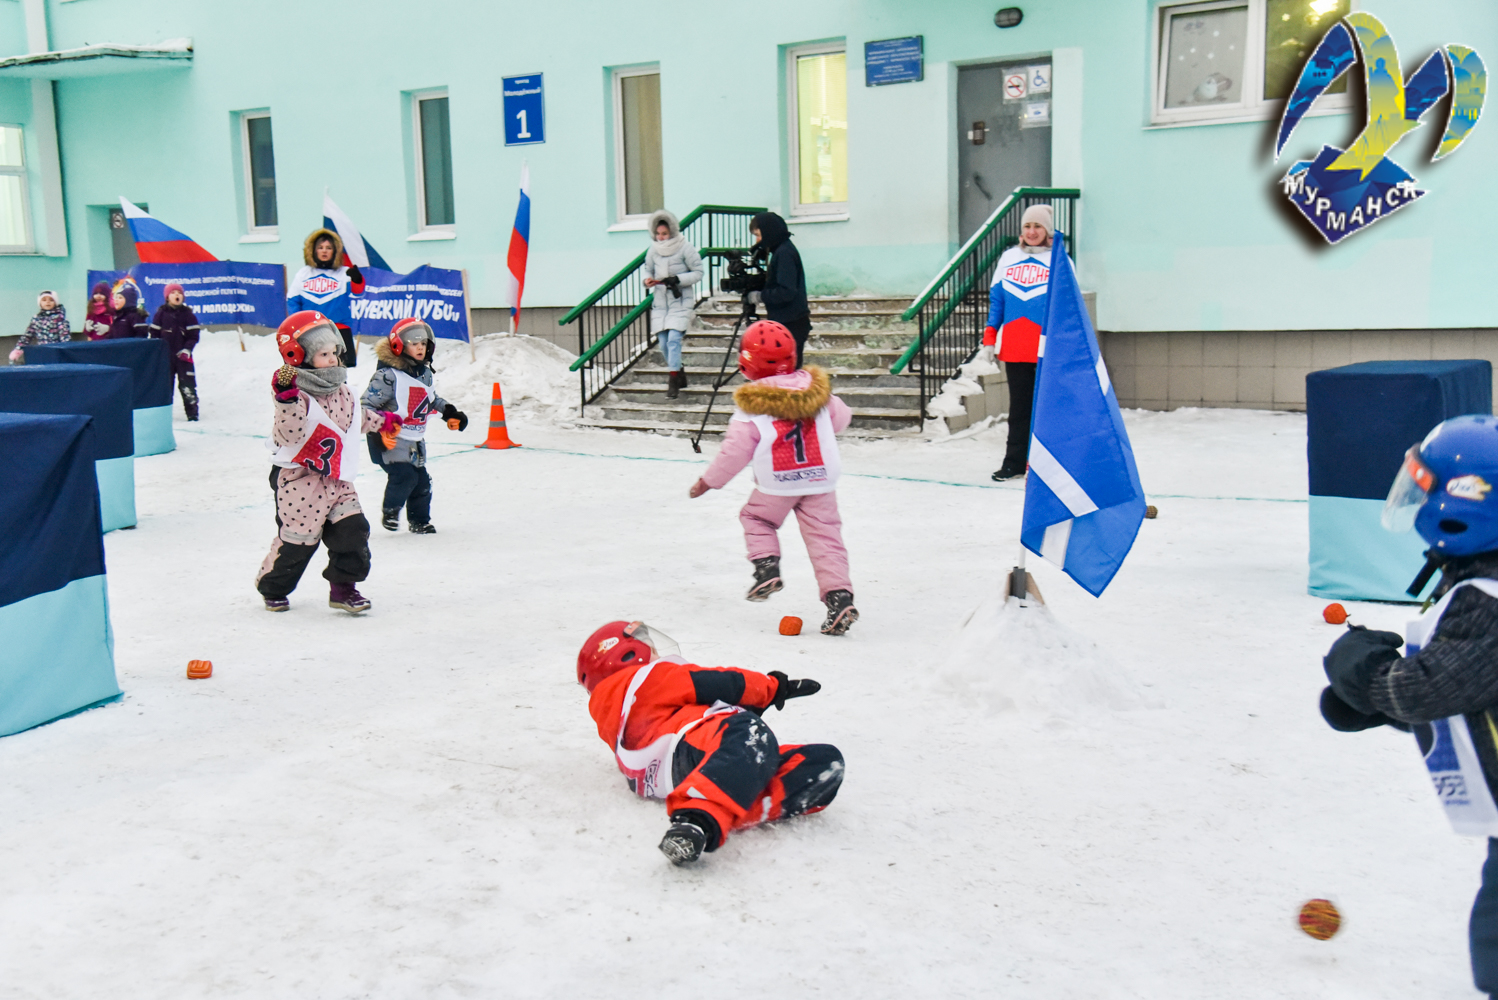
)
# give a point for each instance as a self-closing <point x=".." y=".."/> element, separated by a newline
<point x="100" y="316"/>
<point x="402" y="384"/>
<point x="785" y="426"/>
<point x="48" y="326"/>
<point x="129" y="318"/>
<point x="324" y="284"/>
<point x="1016" y="307"/>
<point x="694" y="737"/>
<point x="315" y="451"/>
<point x="176" y="324"/>
<point x="1445" y="685"/>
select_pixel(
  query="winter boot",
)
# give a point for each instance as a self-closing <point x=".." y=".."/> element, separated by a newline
<point x="346" y="597"/>
<point x="692" y="831"/>
<point x="1011" y="469"/>
<point x="390" y="520"/>
<point x="190" y="403"/>
<point x="841" y="614"/>
<point x="766" y="579"/>
<point x="673" y="385"/>
<point x="681" y="378"/>
<point x="277" y="604"/>
<point x="421" y="528"/>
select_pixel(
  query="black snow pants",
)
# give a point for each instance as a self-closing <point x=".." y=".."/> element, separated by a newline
<point x="347" y="541"/>
<point x="186" y="377"/>
<point x="409" y="486"/>
<point x="1021" y="375"/>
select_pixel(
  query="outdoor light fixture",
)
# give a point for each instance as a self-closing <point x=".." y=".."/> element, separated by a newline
<point x="1008" y="17"/>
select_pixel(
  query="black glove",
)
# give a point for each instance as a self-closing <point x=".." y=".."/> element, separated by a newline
<point x="1352" y="660"/>
<point x="354" y="274"/>
<point x="787" y="688"/>
<point x="451" y="412"/>
<point x="673" y="282"/>
<point x="1345" y="719"/>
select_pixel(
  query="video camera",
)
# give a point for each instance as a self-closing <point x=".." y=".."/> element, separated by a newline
<point x="744" y="276"/>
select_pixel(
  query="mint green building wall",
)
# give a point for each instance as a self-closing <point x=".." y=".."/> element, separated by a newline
<point x="1181" y="228"/>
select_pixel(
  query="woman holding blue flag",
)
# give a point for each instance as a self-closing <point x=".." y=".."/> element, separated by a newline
<point x="1016" y="306"/>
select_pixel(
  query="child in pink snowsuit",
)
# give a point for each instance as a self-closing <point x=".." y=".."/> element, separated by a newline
<point x="785" y="425"/>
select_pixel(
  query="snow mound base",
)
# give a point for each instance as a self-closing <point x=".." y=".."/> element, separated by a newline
<point x="532" y="371"/>
<point x="1010" y="657"/>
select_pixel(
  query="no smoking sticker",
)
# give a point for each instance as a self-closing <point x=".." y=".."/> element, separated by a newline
<point x="1014" y="85"/>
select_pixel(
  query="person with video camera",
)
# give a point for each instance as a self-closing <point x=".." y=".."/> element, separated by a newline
<point x="784" y="294"/>
<point x="672" y="266"/>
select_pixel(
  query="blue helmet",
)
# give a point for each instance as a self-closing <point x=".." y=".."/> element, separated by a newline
<point x="1444" y="489"/>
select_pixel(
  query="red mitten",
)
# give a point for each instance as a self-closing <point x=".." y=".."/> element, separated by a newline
<point x="283" y="384"/>
<point x="990" y="335"/>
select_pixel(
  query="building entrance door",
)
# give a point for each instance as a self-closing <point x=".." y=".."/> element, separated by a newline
<point x="1003" y="136"/>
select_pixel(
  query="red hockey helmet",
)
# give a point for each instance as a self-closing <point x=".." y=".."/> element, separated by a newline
<point x="410" y="329"/>
<point x="620" y="646"/>
<point x="296" y="326"/>
<point x="767" y="349"/>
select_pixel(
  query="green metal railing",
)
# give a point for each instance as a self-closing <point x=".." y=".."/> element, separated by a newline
<point x="613" y="330"/>
<point x="953" y="310"/>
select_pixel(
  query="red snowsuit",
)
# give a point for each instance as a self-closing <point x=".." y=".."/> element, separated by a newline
<point x="693" y="736"/>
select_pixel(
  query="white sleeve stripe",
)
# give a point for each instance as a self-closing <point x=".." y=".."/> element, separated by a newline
<point x="1060" y="482"/>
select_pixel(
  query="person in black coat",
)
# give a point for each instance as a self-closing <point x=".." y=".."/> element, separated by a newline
<point x="784" y="295"/>
<point x="177" y="324"/>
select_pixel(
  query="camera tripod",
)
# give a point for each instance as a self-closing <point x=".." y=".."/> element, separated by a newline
<point x="746" y="316"/>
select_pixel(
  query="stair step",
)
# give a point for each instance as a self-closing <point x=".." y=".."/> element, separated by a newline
<point x="687" y="413"/>
<point x="712" y="431"/>
<point x="840" y="376"/>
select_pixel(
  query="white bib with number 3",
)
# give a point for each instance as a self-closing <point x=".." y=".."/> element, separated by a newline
<point x="325" y="449"/>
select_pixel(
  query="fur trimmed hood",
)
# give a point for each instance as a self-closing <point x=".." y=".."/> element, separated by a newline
<point x="410" y="366"/>
<point x="774" y="398"/>
<point x="312" y="238"/>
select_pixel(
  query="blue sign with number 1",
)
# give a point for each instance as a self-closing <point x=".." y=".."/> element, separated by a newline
<point x="525" y="116"/>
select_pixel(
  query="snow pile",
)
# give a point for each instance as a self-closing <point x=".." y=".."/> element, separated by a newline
<point x="948" y="402"/>
<point x="533" y="373"/>
<point x="1010" y="657"/>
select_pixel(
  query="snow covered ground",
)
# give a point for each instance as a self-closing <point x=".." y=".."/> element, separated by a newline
<point x="415" y="804"/>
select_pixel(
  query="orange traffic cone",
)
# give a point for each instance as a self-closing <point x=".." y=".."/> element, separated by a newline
<point x="499" y="437"/>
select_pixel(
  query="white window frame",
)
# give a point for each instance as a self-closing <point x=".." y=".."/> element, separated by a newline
<point x="799" y="209"/>
<point x="444" y="230"/>
<point x="20" y="171"/>
<point x="1253" y="107"/>
<point x="249" y="177"/>
<point x="624" y="219"/>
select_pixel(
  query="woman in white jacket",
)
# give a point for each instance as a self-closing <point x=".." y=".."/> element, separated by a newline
<point x="672" y="266"/>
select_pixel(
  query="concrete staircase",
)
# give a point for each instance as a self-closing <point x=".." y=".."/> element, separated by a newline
<point x="855" y="338"/>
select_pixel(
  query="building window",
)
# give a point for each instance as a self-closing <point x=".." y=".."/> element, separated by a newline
<point x="259" y="173"/>
<point x="15" y="228"/>
<point x="637" y="140"/>
<point x="818" y="88"/>
<point x="434" y="162"/>
<point x="1236" y="60"/>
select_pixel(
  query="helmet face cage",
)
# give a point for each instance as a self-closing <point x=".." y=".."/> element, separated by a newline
<point x="620" y="646"/>
<point x="409" y="331"/>
<point x="292" y="331"/>
<point x="659" y="642"/>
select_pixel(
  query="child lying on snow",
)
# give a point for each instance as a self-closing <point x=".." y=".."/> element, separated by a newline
<point x="693" y="736"/>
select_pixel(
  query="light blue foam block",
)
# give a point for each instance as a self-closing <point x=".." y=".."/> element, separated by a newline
<point x="1353" y="557"/>
<point x="116" y="491"/>
<point x="153" y="431"/>
<point x="58" y="654"/>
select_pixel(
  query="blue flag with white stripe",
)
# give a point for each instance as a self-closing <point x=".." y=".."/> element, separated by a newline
<point x="1083" y="501"/>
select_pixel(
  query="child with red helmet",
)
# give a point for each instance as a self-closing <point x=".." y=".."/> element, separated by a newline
<point x="402" y="384"/>
<point x="694" y="737"/>
<point x="785" y="425"/>
<point x="314" y="445"/>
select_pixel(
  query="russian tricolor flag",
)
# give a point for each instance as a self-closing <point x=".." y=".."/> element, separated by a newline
<point x="356" y="249"/>
<point x="158" y="243"/>
<point x="520" y="244"/>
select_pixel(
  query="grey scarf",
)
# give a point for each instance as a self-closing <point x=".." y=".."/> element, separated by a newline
<point x="321" y="381"/>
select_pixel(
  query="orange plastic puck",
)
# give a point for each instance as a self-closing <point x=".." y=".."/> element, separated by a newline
<point x="1334" y="614"/>
<point x="1319" y="919"/>
<point x="790" y="625"/>
<point x="199" y="669"/>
